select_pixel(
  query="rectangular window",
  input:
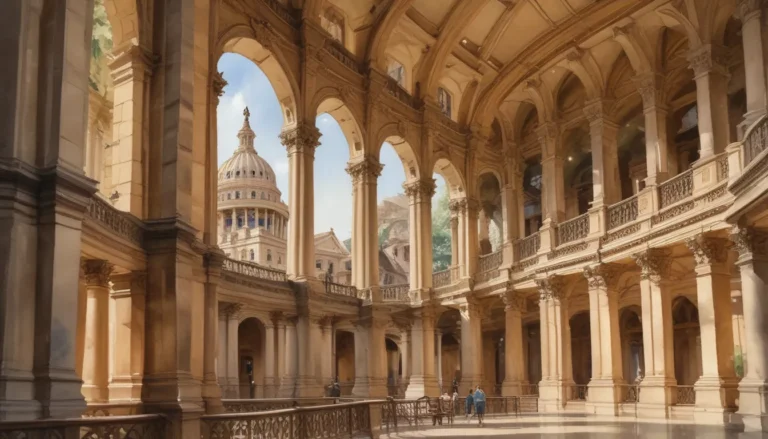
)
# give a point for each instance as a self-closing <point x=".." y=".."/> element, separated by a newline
<point x="444" y="100"/>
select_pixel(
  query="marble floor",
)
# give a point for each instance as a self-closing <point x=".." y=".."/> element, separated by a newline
<point x="571" y="427"/>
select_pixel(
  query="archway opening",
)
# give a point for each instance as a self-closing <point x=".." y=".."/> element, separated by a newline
<point x="448" y="335"/>
<point x="345" y="361"/>
<point x="394" y="237"/>
<point x="251" y="358"/>
<point x="394" y="369"/>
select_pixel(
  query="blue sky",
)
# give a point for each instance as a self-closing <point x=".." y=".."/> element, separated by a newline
<point x="248" y="86"/>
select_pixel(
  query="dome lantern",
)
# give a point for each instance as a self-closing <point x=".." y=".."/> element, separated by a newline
<point x="246" y="134"/>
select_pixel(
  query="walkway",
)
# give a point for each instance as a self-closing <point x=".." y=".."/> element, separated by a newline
<point x="571" y="427"/>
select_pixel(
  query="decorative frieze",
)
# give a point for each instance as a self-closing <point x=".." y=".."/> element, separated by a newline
<point x="654" y="263"/>
<point x="97" y="272"/>
<point x="302" y="139"/>
<point x="708" y="250"/>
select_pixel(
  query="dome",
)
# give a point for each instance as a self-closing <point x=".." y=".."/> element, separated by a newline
<point x="245" y="161"/>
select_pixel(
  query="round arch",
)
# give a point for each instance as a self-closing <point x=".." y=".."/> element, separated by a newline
<point x="452" y="176"/>
<point x="406" y="153"/>
<point x="329" y="101"/>
<point x="251" y="357"/>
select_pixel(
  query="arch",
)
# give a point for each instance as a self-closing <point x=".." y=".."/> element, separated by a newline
<point x="251" y="357"/>
<point x="328" y="100"/>
<point x="390" y="133"/>
<point x="453" y="178"/>
<point x="262" y="51"/>
<point x="129" y="21"/>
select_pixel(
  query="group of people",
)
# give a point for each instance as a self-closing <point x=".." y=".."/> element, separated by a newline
<point x="474" y="400"/>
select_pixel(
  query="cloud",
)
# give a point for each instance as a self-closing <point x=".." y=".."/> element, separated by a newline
<point x="281" y="167"/>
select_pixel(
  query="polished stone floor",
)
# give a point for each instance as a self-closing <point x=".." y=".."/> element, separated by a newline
<point x="571" y="427"/>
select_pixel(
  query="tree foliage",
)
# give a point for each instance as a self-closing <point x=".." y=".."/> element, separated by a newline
<point x="441" y="232"/>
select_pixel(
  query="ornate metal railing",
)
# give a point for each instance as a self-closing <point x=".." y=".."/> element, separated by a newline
<point x="400" y="93"/>
<point x="529" y="389"/>
<point x="328" y="421"/>
<point x="441" y="278"/>
<point x="119" y="222"/>
<point x="342" y="54"/>
<point x="263" y="405"/>
<point x="686" y="395"/>
<point x="107" y="427"/>
<point x="722" y="167"/>
<point x="631" y="393"/>
<point x="622" y="212"/>
<point x="340" y="289"/>
<point x="676" y="189"/>
<point x="490" y="261"/>
<point x="395" y="293"/>
<point x="579" y="392"/>
<point x="756" y="140"/>
<point x="397" y="412"/>
<point x="573" y="229"/>
<point x="528" y="246"/>
<point x="253" y="270"/>
<point x="284" y="13"/>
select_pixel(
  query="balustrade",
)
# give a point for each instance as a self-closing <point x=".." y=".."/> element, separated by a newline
<point x="490" y="261"/>
<point x="253" y="270"/>
<point x="756" y="140"/>
<point x="106" y="427"/>
<point x="722" y="167"/>
<point x="340" y="289"/>
<point x="121" y="223"/>
<point x="622" y="212"/>
<point x="573" y="229"/>
<point x="441" y="278"/>
<point x="263" y="405"/>
<point x="528" y="246"/>
<point x="676" y="189"/>
<point x="395" y="293"/>
<point x="283" y="12"/>
<point x="400" y="93"/>
<point x="342" y="54"/>
<point x="686" y="395"/>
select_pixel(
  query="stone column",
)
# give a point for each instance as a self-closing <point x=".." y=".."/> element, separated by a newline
<point x="605" y="162"/>
<point x="439" y="359"/>
<point x="307" y="380"/>
<point x="211" y="391"/>
<point x="127" y="338"/>
<point x="752" y="245"/>
<point x="420" y="194"/>
<point x="365" y="239"/>
<point x="711" y="76"/>
<point x="605" y="341"/>
<point x="327" y="357"/>
<point x="546" y="371"/>
<point x="650" y="86"/>
<point x="656" y="394"/>
<point x="554" y="392"/>
<point x="288" y="382"/>
<point x="370" y="354"/>
<point x="96" y="355"/>
<point x="233" y="351"/>
<point x="301" y="142"/>
<point x="514" y="305"/>
<point x="422" y="381"/>
<point x="280" y="349"/>
<point x="454" y="239"/>
<point x="716" y="389"/>
<point x="512" y="210"/>
<point x="750" y="14"/>
<point x="405" y="353"/>
<point x="269" y="359"/>
<point x="222" y="370"/>
<point x="552" y="188"/>
<point x="471" y="346"/>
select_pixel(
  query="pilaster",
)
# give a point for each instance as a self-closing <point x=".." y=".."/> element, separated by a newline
<point x="96" y="354"/>
<point x="127" y="340"/>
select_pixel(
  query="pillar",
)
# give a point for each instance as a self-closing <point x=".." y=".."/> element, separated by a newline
<point x="604" y="391"/>
<point x="301" y="142"/>
<point x="605" y="163"/>
<point x="365" y="239"/>
<point x="308" y="353"/>
<point x="512" y="210"/>
<point x="405" y="354"/>
<point x="288" y="381"/>
<point x="454" y="239"/>
<point x="420" y="194"/>
<point x="327" y="360"/>
<point x="439" y="360"/>
<point x="96" y="354"/>
<point x="269" y="359"/>
<point x="750" y="14"/>
<point x="222" y="370"/>
<point x="127" y="338"/>
<point x="514" y="305"/>
<point x="370" y="354"/>
<point x="471" y="346"/>
<point x="650" y="86"/>
<point x="716" y="389"/>
<point x="752" y="245"/>
<point x="232" y="390"/>
<point x="552" y="188"/>
<point x="422" y="381"/>
<point x="711" y="77"/>
<point x="656" y="301"/>
<point x="280" y="349"/>
<point x="554" y="390"/>
<point x="211" y="391"/>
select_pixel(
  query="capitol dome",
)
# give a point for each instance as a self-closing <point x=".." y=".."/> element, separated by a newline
<point x="246" y="162"/>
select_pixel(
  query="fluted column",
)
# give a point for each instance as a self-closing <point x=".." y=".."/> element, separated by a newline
<point x="716" y="388"/>
<point x="233" y="351"/>
<point x="365" y="241"/>
<point x="127" y="337"/>
<point x="420" y="194"/>
<point x="96" y="355"/>
<point x="605" y="163"/>
<point x="750" y="13"/>
<point x="301" y="142"/>
<point x="269" y="359"/>
<point x="650" y="87"/>
<point x="554" y="390"/>
<point x="514" y="305"/>
<point x="711" y="76"/>
<point x="656" y="301"/>
<point x="471" y="346"/>
<point x="605" y="342"/>
<point x="422" y="381"/>
<point x="752" y="245"/>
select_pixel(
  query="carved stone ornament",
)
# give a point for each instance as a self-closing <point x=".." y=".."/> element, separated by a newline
<point x="603" y="276"/>
<point x="547" y="132"/>
<point x="367" y="169"/>
<point x="219" y="83"/>
<point x="650" y="89"/>
<point x="231" y="310"/>
<point x="303" y="138"/>
<point x="749" y="241"/>
<point x="551" y="287"/>
<point x="513" y="302"/>
<point x="708" y="250"/>
<point x="654" y="263"/>
<point x="420" y="189"/>
<point x="97" y="272"/>
<point x="707" y="59"/>
<point x="263" y="34"/>
<point x="457" y="206"/>
<point x="749" y="9"/>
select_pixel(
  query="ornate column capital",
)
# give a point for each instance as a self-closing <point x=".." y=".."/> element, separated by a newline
<point x="513" y="302"/>
<point x="97" y="272"/>
<point x="748" y="10"/>
<point x="547" y="132"/>
<point x="471" y="309"/>
<point x="654" y="263"/>
<point x="603" y="275"/>
<point x="708" y="250"/>
<point x="218" y="84"/>
<point x="708" y="59"/>
<point x="366" y="169"/>
<point x="231" y="310"/>
<point x="301" y="139"/>
<point x="750" y="242"/>
<point x="420" y="190"/>
<point x="650" y="87"/>
<point x="597" y="112"/>
<point x="551" y="287"/>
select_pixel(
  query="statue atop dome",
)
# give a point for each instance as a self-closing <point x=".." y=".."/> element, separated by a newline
<point x="246" y="134"/>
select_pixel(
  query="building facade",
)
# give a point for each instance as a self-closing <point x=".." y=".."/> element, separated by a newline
<point x="640" y="284"/>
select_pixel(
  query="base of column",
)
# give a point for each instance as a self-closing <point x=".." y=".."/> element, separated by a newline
<point x="603" y="397"/>
<point x="655" y="397"/>
<point x="287" y="388"/>
<point x="511" y="388"/>
<point x="714" y="394"/>
<point x="366" y="387"/>
<point x="753" y="405"/>
<point x="552" y="396"/>
<point x="308" y="387"/>
<point x="420" y="385"/>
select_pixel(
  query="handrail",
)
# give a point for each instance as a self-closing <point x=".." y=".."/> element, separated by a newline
<point x="490" y="261"/>
<point x="676" y="189"/>
<point x="573" y="229"/>
<point x="340" y="289"/>
<point x="755" y="140"/>
<point x="623" y="212"/>
<point x="150" y="426"/>
<point x="253" y="270"/>
<point x="338" y="51"/>
<point x="395" y="293"/>
<point x="441" y="278"/>
<point x="122" y="223"/>
<point x="528" y="246"/>
<point x="400" y="93"/>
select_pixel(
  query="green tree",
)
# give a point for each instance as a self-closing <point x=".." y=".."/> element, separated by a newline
<point x="441" y="232"/>
<point x="101" y="45"/>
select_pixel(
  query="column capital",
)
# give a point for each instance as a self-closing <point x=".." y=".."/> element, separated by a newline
<point x="547" y="132"/>
<point x="218" y="84"/>
<point x="551" y="287"/>
<point x="420" y="190"/>
<point x="750" y="242"/>
<point x="708" y="59"/>
<point x="471" y="309"/>
<point x="464" y="205"/>
<point x="708" y="250"/>
<point x="749" y="9"/>
<point x="654" y="263"/>
<point x="302" y="139"/>
<point x="97" y="272"/>
<point x="603" y="275"/>
<point x="650" y="87"/>
<point x="365" y="169"/>
<point x="231" y="310"/>
<point x="513" y="302"/>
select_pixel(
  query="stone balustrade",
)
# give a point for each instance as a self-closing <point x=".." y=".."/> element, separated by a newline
<point x="253" y="270"/>
<point x="395" y="293"/>
<point x="676" y="189"/>
<point x="573" y="229"/>
<point x="623" y="212"/>
<point x="528" y="246"/>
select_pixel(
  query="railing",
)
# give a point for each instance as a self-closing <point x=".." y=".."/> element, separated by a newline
<point x="722" y="167"/>
<point x="441" y="278"/>
<point x="328" y="421"/>
<point x="676" y="189"/>
<point x="756" y="141"/>
<point x="340" y="289"/>
<point x="573" y="229"/>
<point x="253" y="270"/>
<point x="395" y="293"/>
<point x="400" y="93"/>
<point x="528" y="246"/>
<point x="422" y="411"/>
<point x="121" y="223"/>
<point x="622" y="212"/>
<point x="342" y="54"/>
<point x="579" y="392"/>
<point x="686" y="395"/>
<point x="631" y="393"/>
<point x="107" y="427"/>
<point x="263" y="405"/>
<point x="490" y="261"/>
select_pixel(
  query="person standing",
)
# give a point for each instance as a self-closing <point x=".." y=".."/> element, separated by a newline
<point x="479" y="398"/>
<point x="468" y="403"/>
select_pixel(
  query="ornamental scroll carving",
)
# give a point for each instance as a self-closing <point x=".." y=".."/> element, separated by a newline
<point x="97" y="272"/>
<point x="513" y="302"/>
<point x="420" y="190"/>
<point x="603" y="276"/>
<point x="369" y="169"/>
<point x="749" y="241"/>
<point x="303" y="138"/>
<point x="708" y="250"/>
<point x="551" y="287"/>
<point x="654" y="263"/>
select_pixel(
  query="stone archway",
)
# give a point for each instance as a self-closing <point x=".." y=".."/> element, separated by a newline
<point x="632" y="356"/>
<point x="251" y="358"/>
<point x="345" y="361"/>
<point x="687" y="341"/>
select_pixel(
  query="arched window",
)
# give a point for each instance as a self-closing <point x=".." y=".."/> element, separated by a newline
<point x="253" y="255"/>
<point x="396" y="71"/>
<point x="253" y="173"/>
<point x="269" y="255"/>
<point x="333" y="23"/>
<point x="444" y="100"/>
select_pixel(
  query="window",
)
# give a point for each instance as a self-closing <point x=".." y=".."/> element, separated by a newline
<point x="396" y="71"/>
<point x="269" y="255"/>
<point x="253" y="255"/>
<point x="395" y="251"/>
<point x="229" y="196"/>
<point x="279" y="260"/>
<point x="444" y="100"/>
<point x="348" y="265"/>
<point x="333" y="23"/>
<point x="237" y="195"/>
<point x="319" y="264"/>
<point x="253" y="194"/>
<point x="251" y="220"/>
<point x="253" y="173"/>
<point x="237" y="174"/>
<point x="330" y="267"/>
